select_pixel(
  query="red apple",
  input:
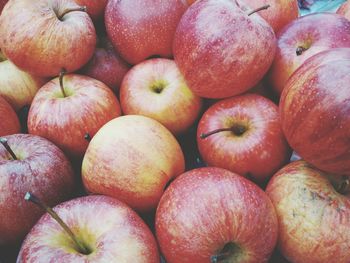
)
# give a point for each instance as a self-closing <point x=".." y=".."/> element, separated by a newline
<point x="303" y="38"/>
<point x="212" y="215"/>
<point x="106" y="66"/>
<point x="40" y="167"/>
<point x="155" y="88"/>
<point x="9" y="123"/>
<point x="243" y="134"/>
<point x="110" y="230"/>
<point x="222" y="50"/>
<point x="95" y="8"/>
<point x="46" y="35"/>
<point x="65" y="119"/>
<point x="315" y="111"/>
<point x="2" y="4"/>
<point x="314" y="218"/>
<point x="132" y="158"/>
<point x="140" y="29"/>
<point x="344" y="10"/>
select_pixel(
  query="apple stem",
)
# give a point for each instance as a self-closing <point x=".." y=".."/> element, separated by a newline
<point x="237" y="129"/>
<point x="259" y="9"/>
<point x="3" y="141"/>
<point x="87" y="137"/>
<point x="62" y="73"/>
<point x="219" y="257"/>
<point x="32" y="198"/>
<point x="300" y="50"/>
<point x="80" y="8"/>
<point x="206" y="135"/>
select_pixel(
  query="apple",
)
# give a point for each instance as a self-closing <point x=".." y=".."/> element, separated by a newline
<point x="68" y="108"/>
<point x="29" y="162"/>
<point x="213" y="215"/>
<point x="243" y="134"/>
<point x="155" y="88"/>
<point x="315" y="111"/>
<point x="2" y="4"/>
<point x="313" y="215"/>
<point x="303" y="38"/>
<point x="108" y="229"/>
<point x="46" y="36"/>
<point x="132" y="158"/>
<point x="344" y="10"/>
<point x="9" y="122"/>
<point x="140" y="29"/>
<point x="106" y="65"/>
<point x="223" y="48"/>
<point x="95" y="8"/>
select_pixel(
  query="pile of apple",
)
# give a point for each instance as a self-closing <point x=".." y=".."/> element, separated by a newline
<point x="164" y="130"/>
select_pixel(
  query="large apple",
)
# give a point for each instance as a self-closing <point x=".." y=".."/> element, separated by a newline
<point x="344" y="10"/>
<point x="9" y="122"/>
<point x="243" y="134"/>
<point x="213" y="215"/>
<point x="132" y="158"/>
<point x="46" y="36"/>
<point x="140" y="29"/>
<point x="95" y="8"/>
<point x="155" y="88"/>
<point x="314" y="218"/>
<point x="36" y="165"/>
<point x="303" y="38"/>
<point x="315" y="111"/>
<point x="223" y="48"/>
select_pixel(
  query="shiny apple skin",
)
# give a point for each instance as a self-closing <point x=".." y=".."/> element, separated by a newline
<point x="318" y="32"/>
<point x="176" y="107"/>
<point x="220" y="50"/>
<point x="315" y="111"/>
<point x="9" y="122"/>
<point x="206" y="208"/>
<point x="41" y="168"/>
<point x="95" y="8"/>
<point x="314" y="219"/>
<point x="132" y="158"/>
<point x="259" y="152"/>
<point x="344" y="10"/>
<point x="112" y="229"/>
<point x="65" y="121"/>
<point x="140" y="29"/>
<point x="36" y="41"/>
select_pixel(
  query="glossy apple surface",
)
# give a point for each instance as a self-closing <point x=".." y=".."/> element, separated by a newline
<point x="254" y="145"/>
<point x="303" y="38"/>
<point x="344" y="10"/>
<point x="41" y="168"/>
<point x="315" y="111"/>
<point x="43" y="38"/>
<point x="140" y="29"/>
<point x="132" y="158"/>
<point x="209" y="211"/>
<point x="65" y="121"/>
<point x="221" y="50"/>
<point x="313" y="217"/>
<point x="155" y="88"/>
<point x="95" y="8"/>
<point x="111" y="230"/>
<point x="9" y="122"/>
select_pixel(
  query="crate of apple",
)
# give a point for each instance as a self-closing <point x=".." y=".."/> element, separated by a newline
<point x="175" y="131"/>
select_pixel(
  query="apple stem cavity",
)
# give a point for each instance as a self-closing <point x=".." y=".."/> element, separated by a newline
<point x="32" y="198"/>
<point x="236" y="129"/>
<point x="220" y="257"/>
<point x="87" y="137"/>
<point x="300" y="50"/>
<point x="3" y="141"/>
<point x="264" y="7"/>
<point x="62" y="73"/>
<point x="80" y="8"/>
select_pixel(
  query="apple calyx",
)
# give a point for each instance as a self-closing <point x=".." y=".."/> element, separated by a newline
<point x="237" y="130"/>
<point x="264" y="7"/>
<point x="35" y="200"/>
<point x="80" y="8"/>
<point x="3" y="141"/>
<point x="300" y="50"/>
<point x="60" y="77"/>
<point x="87" y="137"/>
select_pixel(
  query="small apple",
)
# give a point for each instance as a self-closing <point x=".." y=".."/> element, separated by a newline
<point x="9" y="122"/>
<point x="344" y="10"/>
<point x="132" y="158"/>
<point x="155" y="88"/>
<point x="213" y="215"/>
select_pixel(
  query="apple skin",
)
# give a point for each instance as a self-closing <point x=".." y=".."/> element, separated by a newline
<point x="256" y="154"/>
<point x="206" y="208"/>
<point x="65" y="121"/>
<point x="95" y="8"/>
<point x="217" y="59"/>
<point x="9" y="122"/>
<point x="36" y="41"/>
<point x="41" y="168"/>
<point x="315" y="32"/>
<point x="344" y="10"/>
<point x="315" y="111"/>
<point x="112" y="230"/>
<point x="106" y="66"/>
<point x="140" y="29"/>
<point x="155" y="88"/>
<point x="2" y="4"/>
<point x="132" y="158"/>
<point x="313" y="217"/>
